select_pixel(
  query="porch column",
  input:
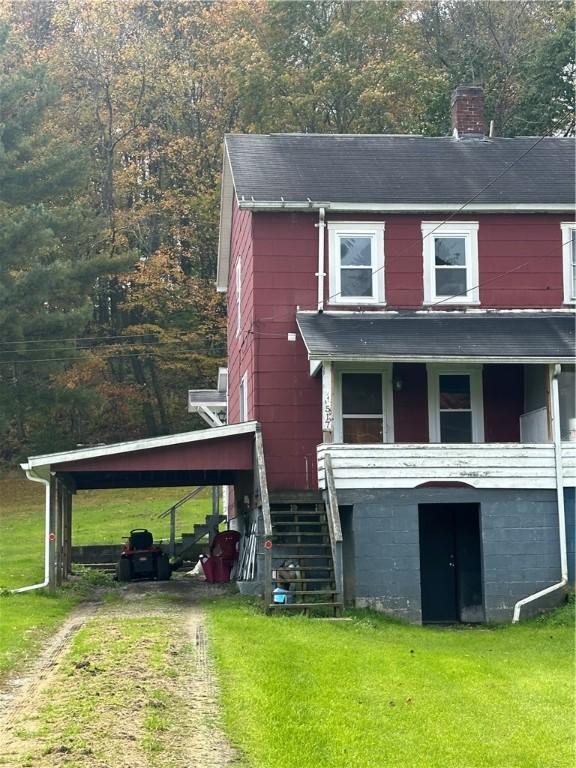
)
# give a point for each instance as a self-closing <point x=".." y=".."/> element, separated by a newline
<point x="553" y="373"/>
<point x="327" y="402"/>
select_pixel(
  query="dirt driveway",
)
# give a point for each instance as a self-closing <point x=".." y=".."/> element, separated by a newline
<point x="124" y="683"/>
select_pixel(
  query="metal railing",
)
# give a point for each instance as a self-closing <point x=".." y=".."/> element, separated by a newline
<point x="172" y="512"/>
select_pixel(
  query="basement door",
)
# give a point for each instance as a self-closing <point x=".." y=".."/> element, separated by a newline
<point x="450" y="563"/>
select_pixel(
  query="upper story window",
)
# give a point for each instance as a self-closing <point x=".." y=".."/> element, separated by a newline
<point x="450" y="262"/>
<point x="569" y="258"/>
<point x="356" y="257"/>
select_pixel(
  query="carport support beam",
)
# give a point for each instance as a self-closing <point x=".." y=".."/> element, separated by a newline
<point x="59" y="532"/>
<point x="52" y="536"/>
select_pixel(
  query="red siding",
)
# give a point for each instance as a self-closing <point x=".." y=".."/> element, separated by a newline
<point x="241" y="346"/>
<point x="227" y="453"/>
<point x="520" y="265"/>
<point x="411" y="404"/>
<point x="503" y="402"/>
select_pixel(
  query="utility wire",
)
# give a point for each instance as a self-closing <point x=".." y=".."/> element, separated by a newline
<point x="162" y="355"/>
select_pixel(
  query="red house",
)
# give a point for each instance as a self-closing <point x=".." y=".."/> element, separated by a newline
<point x="401" y="327"/>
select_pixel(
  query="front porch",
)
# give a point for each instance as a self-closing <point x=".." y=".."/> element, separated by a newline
<point x="476" y="465"/>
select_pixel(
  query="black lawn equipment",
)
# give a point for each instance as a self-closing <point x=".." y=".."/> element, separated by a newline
<point x="141" y="559"/>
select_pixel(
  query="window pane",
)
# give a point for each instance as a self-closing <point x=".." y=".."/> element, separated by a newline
<point x="456" y="427"/>
<point x="362" y="430"/>
<point x="451" y="282"/>
<point x="450" y="251"/>
<point x="362" y="393"/>
<point x="356" y="251"/>
<point x="454" y="392"/>
<point x="356" y="282"/>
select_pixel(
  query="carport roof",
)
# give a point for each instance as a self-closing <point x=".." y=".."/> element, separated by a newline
<point x="203" y="457"/>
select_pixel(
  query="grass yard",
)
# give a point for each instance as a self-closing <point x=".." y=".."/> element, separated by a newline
<point x="371" y="693"/>
<point x="99" y="517"/>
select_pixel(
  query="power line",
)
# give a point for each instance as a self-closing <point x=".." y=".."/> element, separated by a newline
<point x="96" y="347"/>
<point x="127" y="355"/>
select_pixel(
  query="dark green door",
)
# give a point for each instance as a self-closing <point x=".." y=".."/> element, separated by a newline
<point x="450" y="563"/>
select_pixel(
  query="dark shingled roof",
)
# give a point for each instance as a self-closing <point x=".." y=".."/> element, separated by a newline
<point x="401" y="169"/>
<point x="543" y="336"/>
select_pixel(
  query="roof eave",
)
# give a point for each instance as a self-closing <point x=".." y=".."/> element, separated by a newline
<point x="225" y="227"/>
<point x="47" y="460"/>
<point x="312" y="205"/>
<point x="320" y="357"/>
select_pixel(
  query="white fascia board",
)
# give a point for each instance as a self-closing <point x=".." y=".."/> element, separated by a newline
<point x="310" y="205"/>
<point x="146" y="444"/>
<point x="225" y="230"/>
<point x="437" y="359"/>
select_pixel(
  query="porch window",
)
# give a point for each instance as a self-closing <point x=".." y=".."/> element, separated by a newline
<point x="356" y="261"/>
<point x="362" y="408"/>
<point x="569" y="258"/>
<point x="450" y="253"/>
<point x="455" y="402"/>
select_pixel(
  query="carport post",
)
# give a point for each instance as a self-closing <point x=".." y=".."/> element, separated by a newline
<point x="67" y="532"/>
<point x="52" y="536"/>
<point x="59" y="531"/>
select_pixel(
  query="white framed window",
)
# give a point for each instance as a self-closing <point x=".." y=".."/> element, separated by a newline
<point x="238" y="296"/>
<point x="455" y="404"/>
<point x="243" y="393"/>
<point x="569" y="261"/>
<point x="356" y="262"/>
<point x="450" y="253"/>
<point x="364" y="406"/>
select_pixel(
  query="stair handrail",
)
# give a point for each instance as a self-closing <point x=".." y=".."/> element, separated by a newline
<point x="183" y="500"/>
<point x="334" y="526"/>
<point x="266" y="516"/>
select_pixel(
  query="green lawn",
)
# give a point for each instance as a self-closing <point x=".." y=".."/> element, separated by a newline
<point x="99" y="517"/>
<point x="299" y="693"/>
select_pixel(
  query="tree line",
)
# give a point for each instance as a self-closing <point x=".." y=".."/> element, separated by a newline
<point x="112" y="116"/>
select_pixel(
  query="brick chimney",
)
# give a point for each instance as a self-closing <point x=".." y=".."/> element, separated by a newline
<point x="467" y="108"/>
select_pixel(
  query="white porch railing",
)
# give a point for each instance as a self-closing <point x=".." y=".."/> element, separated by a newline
<point x="481" y="465"/>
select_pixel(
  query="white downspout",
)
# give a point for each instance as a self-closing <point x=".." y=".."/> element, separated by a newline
<point x="44" y="583"/>
<point x="321" y="273"/>
<point x="557" y="438"/>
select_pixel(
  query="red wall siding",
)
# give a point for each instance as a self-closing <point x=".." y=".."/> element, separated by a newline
<point x="519" y="259"/>
<point x="503" y="402"/>
<point x="288" y="400"/>
<point x="241" y="347"/>
<point x="411" y="404"/>
<point x="226" y="453"/>
<point x="520" y="265"/>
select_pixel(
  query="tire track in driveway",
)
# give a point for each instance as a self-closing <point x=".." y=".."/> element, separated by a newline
<point x="192" y="737"/>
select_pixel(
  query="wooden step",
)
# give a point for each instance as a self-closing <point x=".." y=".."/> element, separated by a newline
<point x="298" y="512"/>
<point x="300" y="606"/>
<point x="311" y="592"/>
<point x="300" y="533"/>
<point x="296" y="556"/>
<point x="302" y="523"/>
<point x="318" y="545"/>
